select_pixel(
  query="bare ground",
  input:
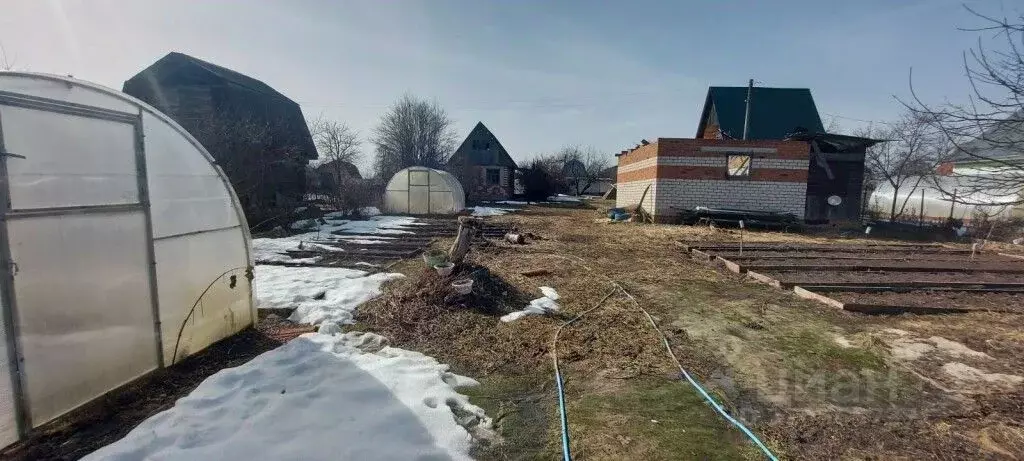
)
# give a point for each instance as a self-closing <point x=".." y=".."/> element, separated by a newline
<point x="815" y="382"/>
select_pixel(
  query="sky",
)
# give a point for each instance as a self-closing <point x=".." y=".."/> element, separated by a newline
<point x="540" y="74"/>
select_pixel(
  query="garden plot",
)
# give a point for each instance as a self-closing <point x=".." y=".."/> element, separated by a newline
<point x="358" y="244"/>
<point x="879" y="279"/>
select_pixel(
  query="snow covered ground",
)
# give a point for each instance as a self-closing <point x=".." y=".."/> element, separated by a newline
<point x="318" y="294"/>
<point x="489" y="211"/>
<point x="540" y="306"/>
<point x="384" y="228"/>
<point x="318" y="397"/>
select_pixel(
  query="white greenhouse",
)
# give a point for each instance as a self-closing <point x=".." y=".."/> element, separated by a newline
<point x="423" y="191"/>
<point x="124" y="247"/>
<point x="938" y="206"/>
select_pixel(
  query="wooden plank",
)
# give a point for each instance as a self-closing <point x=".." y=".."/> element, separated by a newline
<point x="700" y="256"/>
<point x="829" y="249"/>
<point x="868" y="267"/>
<point x="892" y="289"/>
<point x="765" y="279"/>
<point x="886" y="309"/>
<point x="736" y="257"/>
<point x="807" y="294"/>
<point x="729" y="265"/>
<point x="1011" y="255"/>
<point x="913" y="284"/>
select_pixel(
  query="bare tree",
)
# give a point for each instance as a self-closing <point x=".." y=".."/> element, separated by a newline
<point x="910" y="156"/>
<point x="269" y="179"/>
<point x="5" y="62"/>
<point x="988" y="130"/>
<point x="337" y="145"/>
<point x="581" y="167"/>
<point x="412" y="132"/>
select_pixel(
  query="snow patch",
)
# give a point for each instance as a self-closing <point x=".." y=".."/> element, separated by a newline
<point x="318" y="397"/>
<point x="318" y="294"/>
<point x="369" y="211"/>
<point x="489" y="211"/>
<point x="905" y="349"/>
<point x="967" y="373"/>
<point x="540" y="306"/>
<point x="956" y="349"/>
<point x="564" y="198"/>
<point x="843" y="342"/>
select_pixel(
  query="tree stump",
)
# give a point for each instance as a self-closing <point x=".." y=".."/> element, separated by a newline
<point x="468" y="227"/>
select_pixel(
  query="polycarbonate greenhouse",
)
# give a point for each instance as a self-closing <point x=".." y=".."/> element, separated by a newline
<point x="124" y="247"/>
<point x="422" y="191"/>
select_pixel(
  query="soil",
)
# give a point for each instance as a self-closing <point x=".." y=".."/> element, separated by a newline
<point x="947" y="299"/>
<point x="826" y="277"/>
<point x="111" y="417"/>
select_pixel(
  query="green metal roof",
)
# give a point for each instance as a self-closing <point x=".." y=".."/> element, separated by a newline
<point x="774" y="112"/>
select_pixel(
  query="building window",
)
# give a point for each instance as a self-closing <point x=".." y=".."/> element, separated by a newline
<point x="493" y="176"/>
<point x="739" y="166"/>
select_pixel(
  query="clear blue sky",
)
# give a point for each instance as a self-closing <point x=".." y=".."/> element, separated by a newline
<point x="540" y="74"/>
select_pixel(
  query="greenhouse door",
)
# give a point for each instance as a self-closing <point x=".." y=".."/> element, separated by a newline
<point x="419" y="191"/>
<point x="77" y="255"/>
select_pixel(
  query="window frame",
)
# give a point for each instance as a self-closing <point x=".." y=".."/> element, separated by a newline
<point x="742" y="173"/>
<point x="487" y="176"/>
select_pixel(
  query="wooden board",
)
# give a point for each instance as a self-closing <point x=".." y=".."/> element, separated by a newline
<point x="767" y="280"/>
<point x="868" y="267"/>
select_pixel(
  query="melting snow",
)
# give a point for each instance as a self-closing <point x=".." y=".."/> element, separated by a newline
<point x="318" y="397"/>
<point x="274" y="249"/>
<point x="963" y="372"/>
<point x="540" y="306"/>
<point x="318" y="294"/>
<point x="489" y="211"/>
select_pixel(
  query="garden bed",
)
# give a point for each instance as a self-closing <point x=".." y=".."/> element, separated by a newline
<point x="1000" y="302"/>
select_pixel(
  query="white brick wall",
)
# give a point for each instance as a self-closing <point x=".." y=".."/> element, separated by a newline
<point x="639" y="165"/>
<point x="628" y="193"/>
<point x="675" y="195"/>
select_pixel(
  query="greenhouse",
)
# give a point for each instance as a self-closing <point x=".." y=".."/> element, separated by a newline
<point x="932" y="199"/>
<point x="424" y="191"/>
<point x="124" y="247"/>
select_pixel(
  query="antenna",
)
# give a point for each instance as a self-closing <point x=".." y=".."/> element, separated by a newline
<point x="746" y="116"/>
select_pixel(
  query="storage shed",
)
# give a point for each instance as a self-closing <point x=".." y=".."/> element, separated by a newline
<point x="420" y="191"/>
<point x="123" y="248"/>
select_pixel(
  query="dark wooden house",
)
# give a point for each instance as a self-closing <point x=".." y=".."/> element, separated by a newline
<point x="836" y="167"/>
<point x="257" y="135"/>
<point x="483" y="166"/>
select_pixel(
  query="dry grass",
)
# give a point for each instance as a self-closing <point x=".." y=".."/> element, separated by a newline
<point x="770" y="357"/>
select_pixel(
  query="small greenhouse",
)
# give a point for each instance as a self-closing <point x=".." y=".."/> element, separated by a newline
<point x="123" y="247"/>
<point x="933" y="195"/>
<point x="421" y="191"/>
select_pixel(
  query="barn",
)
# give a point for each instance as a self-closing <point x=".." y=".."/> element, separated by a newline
<point x="123" y="258"/>
<point x="258" y="136"/>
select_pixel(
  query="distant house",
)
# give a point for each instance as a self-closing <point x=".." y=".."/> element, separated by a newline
<point x="329" y="176"/>
<point x="787" y="164"/>
<point x="257" y="135"/>
<point x="483" y="166"/>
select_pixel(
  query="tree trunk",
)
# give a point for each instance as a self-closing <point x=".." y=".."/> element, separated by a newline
<point x="468" y="226"/>
<point x="892" y="209"/>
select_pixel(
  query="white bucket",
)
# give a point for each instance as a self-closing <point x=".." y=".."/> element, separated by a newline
<point x="463" y="287"/>
<point x="445" y="269"/>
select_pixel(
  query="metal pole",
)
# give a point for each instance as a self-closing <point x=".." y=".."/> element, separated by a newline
<point x="746" y="116"/>
<point x="921" y="214"/>
<point x="952" y="205"/>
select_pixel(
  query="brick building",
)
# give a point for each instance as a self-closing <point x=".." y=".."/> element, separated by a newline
<point x="788" y="164"/>
<point x="681" y="174"/>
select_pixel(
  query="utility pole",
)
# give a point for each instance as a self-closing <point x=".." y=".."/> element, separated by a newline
<point x="746" y="117"/>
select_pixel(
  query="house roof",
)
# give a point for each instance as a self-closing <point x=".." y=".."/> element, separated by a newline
<point x="346" y="167"/>
<point x="1003" y="141"/>
<point x="774" y="112"/>
<point x="224" y="73"/>
<point x="480" y="131"/>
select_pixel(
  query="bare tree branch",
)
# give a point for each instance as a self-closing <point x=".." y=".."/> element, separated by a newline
<point x="986" y="133"/>
<point x="412" y="132"/>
